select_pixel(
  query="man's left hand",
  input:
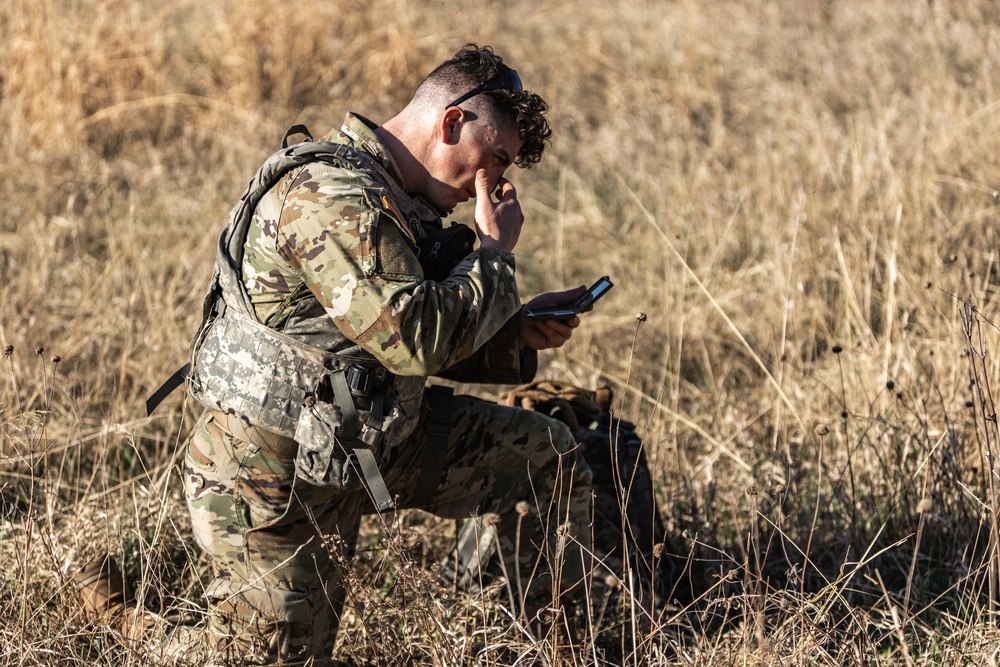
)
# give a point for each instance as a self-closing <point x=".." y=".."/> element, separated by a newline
<point x="545" y="334"/>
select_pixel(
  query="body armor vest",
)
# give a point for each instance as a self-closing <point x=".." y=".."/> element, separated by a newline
<point x="336" y="401"/>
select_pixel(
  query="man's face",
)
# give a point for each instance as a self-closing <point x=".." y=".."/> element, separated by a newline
<point x="469" y="146"/>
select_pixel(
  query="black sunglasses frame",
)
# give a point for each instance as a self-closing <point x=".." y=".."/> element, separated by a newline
<point x="506" y="80"/>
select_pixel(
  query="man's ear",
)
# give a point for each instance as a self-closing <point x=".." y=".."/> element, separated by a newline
<point x="450" y="127"/>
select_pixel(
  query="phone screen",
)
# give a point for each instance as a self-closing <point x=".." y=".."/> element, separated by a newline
<point x="596" y="291"/>
<point x="593" y="294"/>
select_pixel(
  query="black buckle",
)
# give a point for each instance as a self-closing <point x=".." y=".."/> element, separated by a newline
<point x="363" y="381"/>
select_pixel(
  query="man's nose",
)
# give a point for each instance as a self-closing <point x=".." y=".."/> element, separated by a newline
<point x="494" y="177"/>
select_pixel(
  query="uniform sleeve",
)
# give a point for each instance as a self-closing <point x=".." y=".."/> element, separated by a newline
<point x="343" y="237"/>
<point x="502" y="360"/>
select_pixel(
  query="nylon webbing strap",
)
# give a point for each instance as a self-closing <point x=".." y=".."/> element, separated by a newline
<point x="438" y="430"/>
<point x="168" y="386"/>
<point x="363" y="459"/>
<point x="345" y="401"/>
<point x="277" y="444"/>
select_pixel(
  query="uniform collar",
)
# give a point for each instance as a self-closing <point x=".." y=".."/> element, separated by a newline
<point x="360" y="132"/>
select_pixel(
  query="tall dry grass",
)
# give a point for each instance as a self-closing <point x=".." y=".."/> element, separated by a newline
<point x="799" y="195"/>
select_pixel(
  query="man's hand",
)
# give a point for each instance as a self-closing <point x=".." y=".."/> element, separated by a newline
<point x="498" y="224"/>
<point x="545" y="334"/>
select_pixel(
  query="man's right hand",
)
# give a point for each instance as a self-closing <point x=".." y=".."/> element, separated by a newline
<point x="497" y="223"/>
<point x="545" y="334"/>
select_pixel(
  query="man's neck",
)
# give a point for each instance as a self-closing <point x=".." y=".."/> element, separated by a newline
<point x="410" y="168"/>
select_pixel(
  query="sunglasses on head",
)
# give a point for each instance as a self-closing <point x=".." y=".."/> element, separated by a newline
<point x="506" y="80"/>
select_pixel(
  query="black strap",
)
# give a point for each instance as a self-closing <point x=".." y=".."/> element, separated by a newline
<point x="361" y="456"/>
<point x="364" y="461"/>
<point x="293" y="130"/>
<point x="438" y="430"/>
<point x="167" y="388"/>
<point x="345" y="401"/>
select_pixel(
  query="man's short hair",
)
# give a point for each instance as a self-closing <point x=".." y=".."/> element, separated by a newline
<point x="473" y="66"/>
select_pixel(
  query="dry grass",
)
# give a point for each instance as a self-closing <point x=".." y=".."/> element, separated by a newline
<point x="799" y="195"/>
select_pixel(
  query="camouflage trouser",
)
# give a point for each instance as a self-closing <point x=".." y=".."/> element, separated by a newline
<point x="278" y="591"/>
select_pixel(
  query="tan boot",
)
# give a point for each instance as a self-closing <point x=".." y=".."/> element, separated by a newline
<point x="102" y="589"/>
<point x="106" y="598"/>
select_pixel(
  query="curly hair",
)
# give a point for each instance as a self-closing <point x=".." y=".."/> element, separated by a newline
<point x="473" y="66"/>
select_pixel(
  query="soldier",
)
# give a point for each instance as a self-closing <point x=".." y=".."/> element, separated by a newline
<point x="328" y="311"/>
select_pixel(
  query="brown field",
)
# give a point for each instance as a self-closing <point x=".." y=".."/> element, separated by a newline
<point x="799" y="195"/>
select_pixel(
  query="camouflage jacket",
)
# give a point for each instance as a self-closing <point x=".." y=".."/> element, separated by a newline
<point x="330" y="261"/>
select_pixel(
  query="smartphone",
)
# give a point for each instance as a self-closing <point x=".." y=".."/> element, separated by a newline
<point x="596" y="291"/>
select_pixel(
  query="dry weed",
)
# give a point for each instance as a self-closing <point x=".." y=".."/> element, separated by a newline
<point x="798" y="195"/>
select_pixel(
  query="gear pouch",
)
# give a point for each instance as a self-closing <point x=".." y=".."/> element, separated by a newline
<point x="321" y="459"/>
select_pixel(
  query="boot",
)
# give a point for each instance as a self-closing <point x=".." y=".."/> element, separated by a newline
<point x="105" y="597"/>
<point x="102" y="589"/>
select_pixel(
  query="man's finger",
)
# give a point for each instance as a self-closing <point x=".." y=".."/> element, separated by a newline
<point x="505" y="189"/>
<point x="559" y="329"/>
<point x="482" y="186"/>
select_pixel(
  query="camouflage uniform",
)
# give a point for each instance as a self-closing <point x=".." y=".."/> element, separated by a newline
<point x="329" y="261"/>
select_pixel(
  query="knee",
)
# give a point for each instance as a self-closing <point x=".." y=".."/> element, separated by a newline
<point x="553" y="435"/>
<point x="565" y="452"/>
